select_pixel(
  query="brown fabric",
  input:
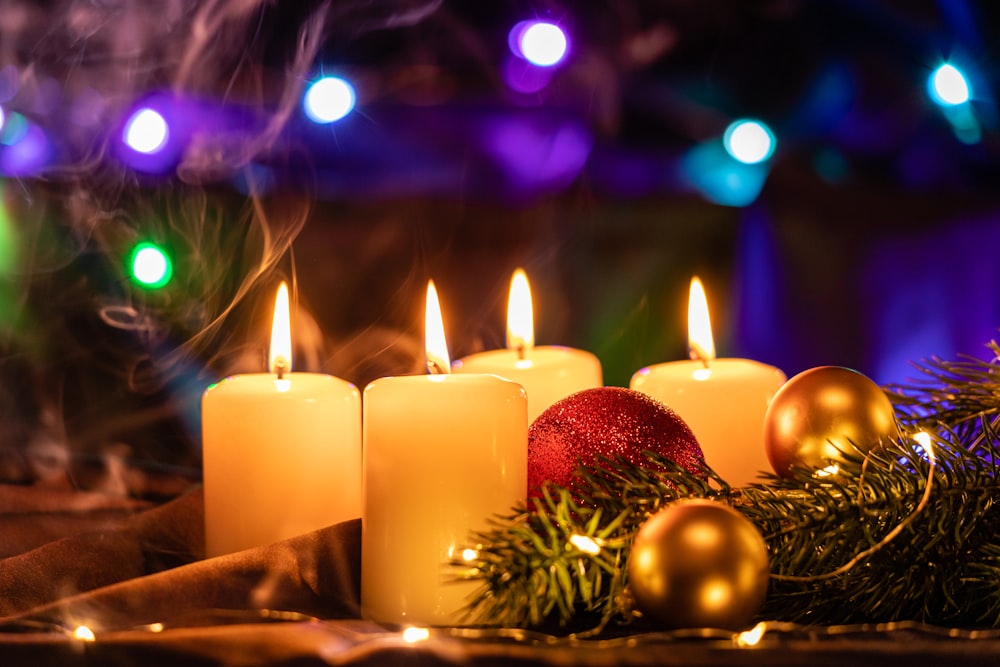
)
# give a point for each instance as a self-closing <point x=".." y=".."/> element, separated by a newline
<point x="151" y="568"/>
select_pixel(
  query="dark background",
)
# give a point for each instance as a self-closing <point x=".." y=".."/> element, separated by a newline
<point x="870" y="244"/>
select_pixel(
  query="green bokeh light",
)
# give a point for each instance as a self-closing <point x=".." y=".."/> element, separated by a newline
<point x="150" y="265"/>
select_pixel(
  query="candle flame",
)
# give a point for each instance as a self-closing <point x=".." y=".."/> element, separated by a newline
<point x="280" y="360"/>
<point x="700" y="339"/>
<point x="520" y="325"/>
<point x="435" y="344"/>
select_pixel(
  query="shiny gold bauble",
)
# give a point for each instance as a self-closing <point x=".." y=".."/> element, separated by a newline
<point x="699" y="564"/>
<point x="823" y="412"/>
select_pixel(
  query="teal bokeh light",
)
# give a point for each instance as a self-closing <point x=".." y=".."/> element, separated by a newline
<point x="749" y="141"/>
<point x="948" y="86"/>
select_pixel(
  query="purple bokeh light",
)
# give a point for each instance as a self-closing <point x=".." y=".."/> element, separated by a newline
<point x="146" y="131"/>
<point x="28" y="153"/>
<point x="536" y="156"/>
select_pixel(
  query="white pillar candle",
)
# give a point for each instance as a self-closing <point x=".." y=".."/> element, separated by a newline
<point x="442" y="454"/>
<point x="281" y="451"/>
<point x="723" y="401"/>
<point x="547" y="373"/>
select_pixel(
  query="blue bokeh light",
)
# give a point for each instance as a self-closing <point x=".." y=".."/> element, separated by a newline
<point x="329" y="99"/>
<point x="26" y="148"/>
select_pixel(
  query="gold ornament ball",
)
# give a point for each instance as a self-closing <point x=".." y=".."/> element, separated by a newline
<point x="699" y="564"/>
<point x="823" y="412"/>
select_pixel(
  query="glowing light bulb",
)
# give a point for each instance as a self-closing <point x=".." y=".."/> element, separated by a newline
<point x="749" y="141"/>
<point x="413" y="635"/>
<point x="542" y="44"/>
<point x="328" y="100"/>
<point x="586" y="544"/>
<point x="947" y="86"/>
<point x="151" y="266"/>
<point x="752" y="636"/>
<point x="146" y="131"/>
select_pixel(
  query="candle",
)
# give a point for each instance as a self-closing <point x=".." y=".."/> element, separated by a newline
<point x="281" y="450"/>
<point x="547" y="373"/>
<point x="442" y="454"/>
<point x="722" y="400"/>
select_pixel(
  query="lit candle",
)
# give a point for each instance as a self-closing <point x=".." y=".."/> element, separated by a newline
<point x="442" y="454"/>
<point x="722" y="400"/>
<point x="547" y="373"/>
<point x="281" y="450"/>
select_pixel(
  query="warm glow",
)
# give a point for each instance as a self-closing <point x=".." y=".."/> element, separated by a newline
<point x="435" y="344"/>
<point x="752" y="636"/>
<point x="699" y="325"/>
<point x="413" y="635"/>
<point x="470" y="555"/>
<point x="84" y="634"/>
<point x="520" y="327"/>
<point x="923" y="438"/>
<point x="829" y="471"/>
<point x="586" y="544"/>
<point x="281" y="334"/>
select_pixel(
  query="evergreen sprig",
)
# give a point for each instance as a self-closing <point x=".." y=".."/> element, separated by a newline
<point x="562" y="561"/>
<point x="960" y="394"/>
<point x="898" y="533"/>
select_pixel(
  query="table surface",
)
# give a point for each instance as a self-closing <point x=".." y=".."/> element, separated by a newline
<point x="360" y="643"/>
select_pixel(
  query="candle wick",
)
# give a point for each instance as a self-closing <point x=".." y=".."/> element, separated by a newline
<point x="280" y="366"/>
<point x="521" y="351"/>
<point x="698" y="353"/>
<point x="434" y="368"/>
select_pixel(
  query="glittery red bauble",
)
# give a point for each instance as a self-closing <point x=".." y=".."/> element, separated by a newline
<point x="607" y="421"/>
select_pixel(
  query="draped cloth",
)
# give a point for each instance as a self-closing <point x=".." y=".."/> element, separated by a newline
<point x="135" y="574"/>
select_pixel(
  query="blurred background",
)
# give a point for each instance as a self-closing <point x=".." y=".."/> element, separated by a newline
<point x="828" y="168"/>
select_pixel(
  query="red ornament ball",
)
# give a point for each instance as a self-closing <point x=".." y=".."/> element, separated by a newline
<point x="607" y="421"/>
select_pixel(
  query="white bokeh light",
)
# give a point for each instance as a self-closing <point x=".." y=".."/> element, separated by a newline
<point x="543" y="44"/>
<point x="146" y="131"/>
<point x="948" y="86"/>
<point x="749" y="141"/>
<point x="329" y="99"/>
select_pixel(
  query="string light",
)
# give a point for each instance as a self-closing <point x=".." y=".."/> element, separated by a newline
<point x="329" y="99"/>
<point x="749" y="141"/>
<point x="150" y="266"/>
<point x="948" y="86"/>
<point x="541" y="43"/>
<point x="413" y="635"/>
<point x="146" y="131"/>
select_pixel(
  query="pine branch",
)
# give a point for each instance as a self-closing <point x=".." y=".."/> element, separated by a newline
<point x="959" y="394"/>
<point x="561" y="563"/>
<point x="890" y="537"/>
<point x="941" y="568"/>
